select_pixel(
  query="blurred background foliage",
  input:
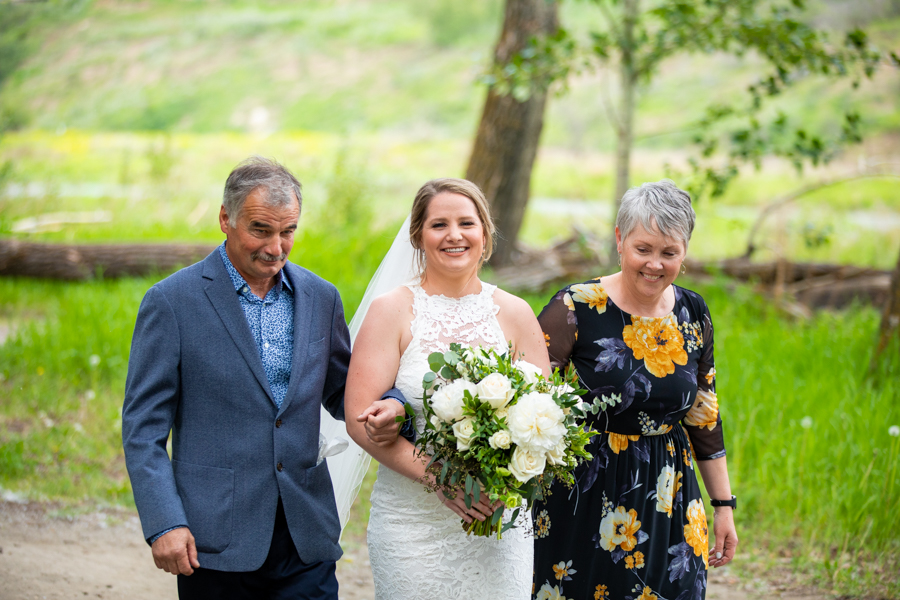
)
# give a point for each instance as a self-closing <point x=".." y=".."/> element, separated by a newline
<point x="121" y="120"/>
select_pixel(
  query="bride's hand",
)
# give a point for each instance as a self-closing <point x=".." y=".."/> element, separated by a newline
<point x="480" y="510"/>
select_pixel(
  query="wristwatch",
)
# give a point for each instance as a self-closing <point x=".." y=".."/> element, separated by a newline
<point x="732" y="503"/>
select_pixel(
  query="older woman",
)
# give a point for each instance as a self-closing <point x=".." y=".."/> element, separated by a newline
<point x="634" y="526"/>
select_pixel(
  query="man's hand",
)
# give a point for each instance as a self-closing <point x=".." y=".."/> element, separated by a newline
<point x="176" y="552"/>
<point x="382" y="425"/>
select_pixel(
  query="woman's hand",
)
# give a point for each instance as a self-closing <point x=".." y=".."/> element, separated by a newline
<point x="480" y="510"/>
<point x="726" y="537"/>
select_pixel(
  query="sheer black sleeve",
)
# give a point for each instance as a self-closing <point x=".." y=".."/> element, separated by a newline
<point x="702" y="422"/>
<point x="560" y="328"/>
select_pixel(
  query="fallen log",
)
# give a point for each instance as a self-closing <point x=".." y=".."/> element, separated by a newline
<point x="812" y="285"/>
<point x="87" y="261"/>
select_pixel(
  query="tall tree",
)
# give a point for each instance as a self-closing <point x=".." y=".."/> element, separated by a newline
<point x="636" y="36"/>
<point x="889" y="330"/>
<point x="507" y="140"/>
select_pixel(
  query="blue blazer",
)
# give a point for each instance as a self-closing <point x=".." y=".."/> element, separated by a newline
<point x="195" y="370"/>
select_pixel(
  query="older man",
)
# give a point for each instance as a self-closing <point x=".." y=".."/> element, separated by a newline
<point x="235" y="355"/>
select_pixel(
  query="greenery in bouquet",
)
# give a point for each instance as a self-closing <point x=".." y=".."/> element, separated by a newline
<point x="497" y="426"/>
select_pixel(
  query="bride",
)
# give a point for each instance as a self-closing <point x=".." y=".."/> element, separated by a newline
<point x="417" y="547"/>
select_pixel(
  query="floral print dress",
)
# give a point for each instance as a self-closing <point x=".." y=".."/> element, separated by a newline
<point x="633" y="527"/>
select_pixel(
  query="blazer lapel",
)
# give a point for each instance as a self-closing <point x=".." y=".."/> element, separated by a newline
<point x="222" y="295"/>
<point x="303" y="313"/>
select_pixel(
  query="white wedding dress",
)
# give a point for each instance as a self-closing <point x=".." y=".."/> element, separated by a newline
<point x="417" y="547"/>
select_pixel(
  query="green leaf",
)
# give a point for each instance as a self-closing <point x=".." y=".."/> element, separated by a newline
<point x="399" y="419"/>
<point x="429" y="377"/>
<point x="477" y="493"/>
<point x="498" y="514"/>
<point x="468" y="500"/>
<point x="435" y="361"/>
<point x="469" y="483"/>
<point x="512" y="522"/>
<point x="409" y="410"/>
<point x="447" y="373"/>
<point x="451" y="358"/>
<point x="444" y="470"/>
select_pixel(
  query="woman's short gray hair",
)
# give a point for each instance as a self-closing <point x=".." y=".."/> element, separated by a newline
<point x="280" y="184"/>
<point x="658" y="205"/>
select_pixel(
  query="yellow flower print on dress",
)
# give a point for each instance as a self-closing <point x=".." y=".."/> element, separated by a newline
<point x="671" y="448"/>
<point x="647" y="594"/>
<point x="601" y="592"/>
<point x="547" y="340"/>
<point x="705" y="411"/>
<point x="563" y="570"/>
<point x="549" y="593"/>
<point x="695" y="532"/>
<point x="591" y="294"/>
<point x="667" y="485"/>
<point x="710" y="376"/>
<point x="567" y="300"/>
<point x="635" y="561"/>
<point x="657" y="342"/>
<point x="619" y="441"/>
<point x="619" y="528"/>
<point x="542" y="525"/>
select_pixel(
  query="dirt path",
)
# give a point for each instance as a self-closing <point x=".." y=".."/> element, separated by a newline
<point x="100" y="554"/>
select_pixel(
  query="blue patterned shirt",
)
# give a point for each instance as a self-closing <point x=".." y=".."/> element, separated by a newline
<point x="271" y="321"/>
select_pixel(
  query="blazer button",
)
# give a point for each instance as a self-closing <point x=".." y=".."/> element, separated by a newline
<point x="280" y="467"/>
<point x="278" y="423"/>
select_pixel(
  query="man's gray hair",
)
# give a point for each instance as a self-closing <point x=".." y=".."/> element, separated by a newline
<point x="659" y="205"/>
<point x="280" y="185"/>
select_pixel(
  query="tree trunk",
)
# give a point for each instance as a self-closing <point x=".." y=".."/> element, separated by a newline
<point x="625" y="125"/>
<point x="890" y="318"/>
<point x="507" y="140"/>
<point x="79" y="262"/>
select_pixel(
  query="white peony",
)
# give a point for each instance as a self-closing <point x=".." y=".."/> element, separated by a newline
<point x="463" y="430"/>
<point x="557" y="455"/>
<point x="526" y="464"/>
<point x="536" y="422"/>
<point x="500" y="440"/>
<point x="447" y="402"/>
<point x="496" y="390"/>
<point x="529" y="371"/>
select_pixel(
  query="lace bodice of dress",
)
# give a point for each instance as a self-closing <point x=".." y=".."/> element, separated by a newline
<point x="439" y="321"/>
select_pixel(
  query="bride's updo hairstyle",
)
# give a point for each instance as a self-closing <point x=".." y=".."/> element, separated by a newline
<point x="450" y="185"/>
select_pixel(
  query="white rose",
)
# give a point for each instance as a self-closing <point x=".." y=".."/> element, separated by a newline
<point x="500" y="440"/>
<point x="502" y="413"/>
<point x="436" y="421"/>
<point x="529" y="371"/>
<point x="536" y="422"/>
<point x="526" y="464"/>
<point x="463" y="430"/>
<point x="496" y="390"/>
<point x="447" y="402"/>
<point x="557" y="455"/>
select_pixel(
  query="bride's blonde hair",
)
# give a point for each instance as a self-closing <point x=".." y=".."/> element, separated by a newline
<point x="420" y="210"/>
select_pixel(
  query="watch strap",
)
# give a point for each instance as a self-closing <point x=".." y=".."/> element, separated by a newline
<point x="731" y="502"/>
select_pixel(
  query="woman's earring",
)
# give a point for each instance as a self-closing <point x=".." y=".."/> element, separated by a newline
<point x="620" y="259"/>
<point x="683" y="269"/>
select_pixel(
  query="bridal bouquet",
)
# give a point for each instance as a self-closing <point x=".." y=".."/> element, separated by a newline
<point x="498" y="427"/>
